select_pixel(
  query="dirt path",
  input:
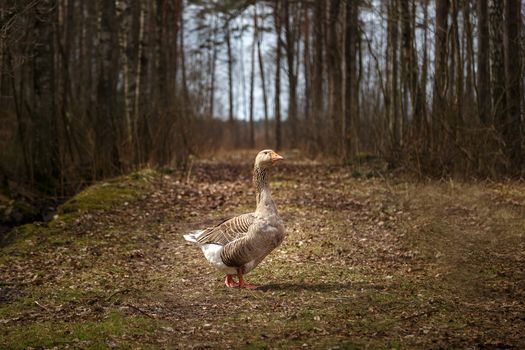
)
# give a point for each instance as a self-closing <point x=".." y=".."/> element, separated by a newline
<point x="368" y="263"/>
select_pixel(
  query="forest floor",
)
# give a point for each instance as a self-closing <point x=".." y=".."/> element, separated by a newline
<point x="370" y="261"/>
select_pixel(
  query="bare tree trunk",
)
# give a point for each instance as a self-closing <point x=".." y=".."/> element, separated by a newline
<point x="122" y="6"/>
<point x="263" y="80"/>
<point x="138" y="76"/>
<point x="66" y="86"/>
<point x="184" y="80"/>
<point x="307" y="73"/>
<point x="162" y="45"/>
<point x="3" y="53"/>
<point x="411" y="72"/>
<point x="165" y="122"/>
<point x="392" y="103"/>
<point x="92" y="65"/>
<point x="351" y="120"/>
<point x="484" y="102"/>
<point x="513" y="73"/>
<point x="470" y="85"/>
<point x="21" y="128"/>
<point x="457" y="61"/>
<point x="187" y="109"/>
<point x="424" y="130"/>
<point x="252" y="76"/>
<point x="212" y="72"/>
<point x="45" y="156"/>
<point x="231" y="119"/>
<point x="290" y="35"/>
<point x="278" y="76"/>
<point x="318" y="94"/>
<point x="106" y="127"/>
<point x="403" y="84"/>
<point x="333" y="60"/>
<point x="497" y="61"/>
<point x="440" y="79"/>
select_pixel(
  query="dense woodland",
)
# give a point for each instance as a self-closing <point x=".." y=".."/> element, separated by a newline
<point x="91" y="89"/>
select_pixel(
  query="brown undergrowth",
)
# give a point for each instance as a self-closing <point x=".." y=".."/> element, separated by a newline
<point x="369" y="262"/>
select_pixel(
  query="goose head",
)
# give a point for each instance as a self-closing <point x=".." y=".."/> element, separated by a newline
<point x="267" y="158"/>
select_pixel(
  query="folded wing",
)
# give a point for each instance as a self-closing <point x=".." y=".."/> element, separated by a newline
<point x="227" y="231"/>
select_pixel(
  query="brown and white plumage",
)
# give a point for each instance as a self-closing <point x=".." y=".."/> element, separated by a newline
<point x="239" y="244"/>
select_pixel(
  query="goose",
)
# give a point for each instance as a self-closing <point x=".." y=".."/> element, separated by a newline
<point x="236" y="246"/>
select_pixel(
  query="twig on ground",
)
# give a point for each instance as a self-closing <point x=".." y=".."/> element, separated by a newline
<point x="43" y="306"/>
<point x="139" y="310"/>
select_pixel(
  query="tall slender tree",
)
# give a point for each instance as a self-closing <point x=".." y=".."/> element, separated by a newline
<point x="290" y="34"/>
<point x="263" y="78"/>
<point x="439" y="112"/>
<point x="392" y="101"/>
<point x="497" y="62"/>
<point x="317" y="94"/>
<point x="484" y="101"/>
<point x="278" y="40"/>
<point x="457" y="64"/>
<point x="470" y="85"/>
<point x="410" y="69"/>
<point x="333" y="60"/>
<point x="231" y="119"/>
<point x="106" y="140"/>
<point x="351" y="119"/>
<point x="512" y="130"/>
<point x="42" y="114"/>
<point x="252" y="80"/>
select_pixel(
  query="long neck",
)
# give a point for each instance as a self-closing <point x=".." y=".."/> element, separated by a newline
<point x="262" y="189"/>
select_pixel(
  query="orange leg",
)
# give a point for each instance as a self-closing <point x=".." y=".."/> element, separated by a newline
<point x="229" y="282"/>
<point x="242" y="283"/>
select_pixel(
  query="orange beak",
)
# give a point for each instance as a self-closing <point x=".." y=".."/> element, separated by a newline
<point x="276" y="157"/>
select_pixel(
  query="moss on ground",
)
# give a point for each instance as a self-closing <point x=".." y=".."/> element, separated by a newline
<point x="108" y="194"/>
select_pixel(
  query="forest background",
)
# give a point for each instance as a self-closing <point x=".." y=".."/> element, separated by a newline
<point x="93" y="89"/>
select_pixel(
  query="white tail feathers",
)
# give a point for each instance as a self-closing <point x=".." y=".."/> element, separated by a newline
<point x="193" y="236"/>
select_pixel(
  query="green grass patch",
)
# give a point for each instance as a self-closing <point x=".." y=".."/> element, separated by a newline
<point x="24" y="239"/>
<point x="15" y="308"/>
<point x="115" y="330"/>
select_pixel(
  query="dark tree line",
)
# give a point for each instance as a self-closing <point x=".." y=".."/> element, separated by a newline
<point x="90" y="89"/>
